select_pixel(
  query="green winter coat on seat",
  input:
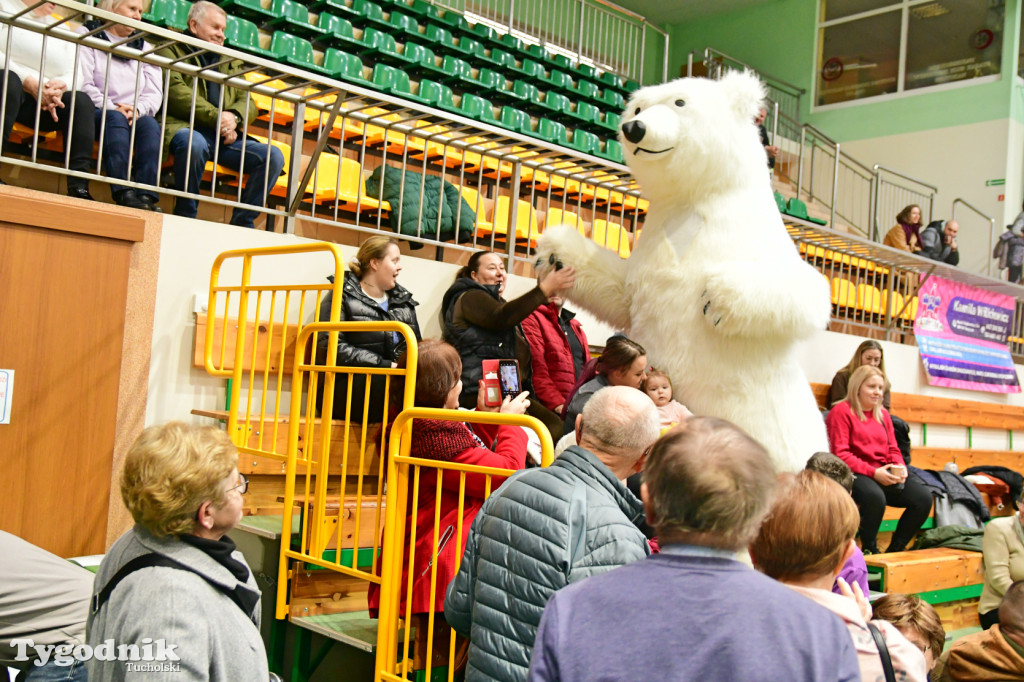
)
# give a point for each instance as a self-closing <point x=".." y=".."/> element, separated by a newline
<point x="439" y="197"/>
<point x="179" y="96"/>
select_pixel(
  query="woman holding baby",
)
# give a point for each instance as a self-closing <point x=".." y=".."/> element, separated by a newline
<point x="860" y="433"/>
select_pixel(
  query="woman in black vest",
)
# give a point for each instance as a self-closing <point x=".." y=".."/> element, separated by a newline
<point x="484" y="326"/>
<point x="370" y="293"/>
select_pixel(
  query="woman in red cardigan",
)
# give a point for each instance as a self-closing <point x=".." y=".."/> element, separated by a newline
<point x="438" y="384"/>
<point x="558" y="350"/>
<point x="860" y="433"/>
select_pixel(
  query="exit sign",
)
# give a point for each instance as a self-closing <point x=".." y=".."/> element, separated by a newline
<point x="995" y="183"/>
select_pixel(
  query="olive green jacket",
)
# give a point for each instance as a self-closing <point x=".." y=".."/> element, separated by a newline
<point x="179" y="96"/>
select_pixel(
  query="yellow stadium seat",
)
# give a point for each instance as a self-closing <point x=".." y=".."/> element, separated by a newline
<point x="869" y="299"/>
<point x="526" y="227"/>
<point x="479" y="206"/>
<point x="611" y="236"/>
<point x="341" y="179"/>
<point x="844" y="294"/>
<point x="558" y="216"/>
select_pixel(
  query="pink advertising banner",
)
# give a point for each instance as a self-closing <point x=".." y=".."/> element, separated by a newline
<point x="961" y="332"/>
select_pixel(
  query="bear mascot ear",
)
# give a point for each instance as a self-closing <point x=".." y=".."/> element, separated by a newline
<point x="744" y="92"/>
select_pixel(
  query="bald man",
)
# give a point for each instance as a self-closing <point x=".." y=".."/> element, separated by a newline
<point x="938" y="241"/>
<point x="546" y="528"/>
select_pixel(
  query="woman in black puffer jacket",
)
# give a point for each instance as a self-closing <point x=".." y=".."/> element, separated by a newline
<point x="370" y="293"/>
<point x="484" y="326"/>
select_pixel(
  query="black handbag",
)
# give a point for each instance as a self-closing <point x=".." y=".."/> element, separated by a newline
<point x="883" y="652"/>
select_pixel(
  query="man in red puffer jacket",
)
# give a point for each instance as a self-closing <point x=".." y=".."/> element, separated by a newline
<point x="559" y="349"/>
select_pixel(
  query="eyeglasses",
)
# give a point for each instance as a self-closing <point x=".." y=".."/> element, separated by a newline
<point x="243" y="485"/>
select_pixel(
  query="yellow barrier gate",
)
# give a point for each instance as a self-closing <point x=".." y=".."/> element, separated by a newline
<point x="416" y="658"/>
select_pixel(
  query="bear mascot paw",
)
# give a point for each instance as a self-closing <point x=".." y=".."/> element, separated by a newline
<point x="714" y="288"/>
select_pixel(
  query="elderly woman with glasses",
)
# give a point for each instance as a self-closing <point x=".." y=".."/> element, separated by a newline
<point x="176" y="577"/>
<point x="127" y="94"/>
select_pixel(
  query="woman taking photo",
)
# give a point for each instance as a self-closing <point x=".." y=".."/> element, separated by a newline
<point x="122" y="107"/>
<point x="870" y="353"/>
<point x="1002" y="553"/>
<point x="503" y="447"/>
<point x="860" y="433"/>
<point x="622" y="363"/>
<point x="193" y="589"/>
<point x="371" y="293"/>
<point x="484" y="326"/>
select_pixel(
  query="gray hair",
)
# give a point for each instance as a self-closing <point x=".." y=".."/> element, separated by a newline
<point x="709" y="483"/>
<point x="200" y="8"/>
<point x="620" y="421"/>
<point x="110" y="5"/>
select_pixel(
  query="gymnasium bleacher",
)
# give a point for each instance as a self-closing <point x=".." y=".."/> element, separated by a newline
<point x="528" y="137"/>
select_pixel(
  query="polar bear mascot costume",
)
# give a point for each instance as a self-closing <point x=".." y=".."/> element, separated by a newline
<point x="714" y="289"/>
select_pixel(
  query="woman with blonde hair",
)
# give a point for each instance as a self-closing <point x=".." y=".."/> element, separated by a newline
<point x="371" y="293"/>
<point x="803" y="543"/>
<point x="176" y="577"/>
<point x="860" y="433"/>
<point x="916" y="620"/>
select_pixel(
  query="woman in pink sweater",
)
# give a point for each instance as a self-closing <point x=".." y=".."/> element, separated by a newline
<point x="860" y="433"/>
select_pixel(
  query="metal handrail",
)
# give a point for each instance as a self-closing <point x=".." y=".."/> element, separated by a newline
<point x="796" y="90"/>
<point x="880" y="167"/>
<point x="980" y="214"/>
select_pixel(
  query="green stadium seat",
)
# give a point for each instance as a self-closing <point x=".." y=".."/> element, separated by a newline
<point x="609" y="122"/>
<point x="515" y="120"/>
<point x="584" y="113"/>
<point x="513" y="43"/>
<point x="404" y="24"/>
<point x="479" y="109"/>
<point x="538" y="53"/>
<point x="561" y="62"/>
<point x="171" y="14"/>
<point x="780" y="202"/>
<point x="425" y="10"/>
<point x="533" y="71"/>
<point x="491" y="81"/>
<point x="586" y="71"/>
<point x="370" y="14"/>
<point x="382" y="47"/>
<point x="610" y="80"/>
<point x="472" y="50"/>
<point x="586" y="142"/>
<point x="630" y="86"/>
<point x="798" y="209"/>
<point x="555" y="103"/>
<point x="338" y="32"/>
<point x="559" y="80"/>
<point x="486" y="35"/>
<point x="346" y="67"/>
<point x="457" y="73"/>
<point x="502" y="59"/>
<point x="242" y="34"/>
<point x="588" y="91"/>
<point x="612" y="99"/>
<point x="438" y="95"/>
<point x="552" y="131"/>
<point x="441" y="40"/>
<point x="395" y="82"/>
<point x="293" y="18"/>
<point x="522" y="94"/>
<point x="248" y="9"/>
<point x="457" y="24"/>
<point x="612" y="152"/>
<point x="296" y="51"/>
<point x="336" y="7"/>
<point x="425" y="61"/>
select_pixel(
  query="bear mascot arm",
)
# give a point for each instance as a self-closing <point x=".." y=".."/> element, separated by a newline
<point x="600" y="274"/>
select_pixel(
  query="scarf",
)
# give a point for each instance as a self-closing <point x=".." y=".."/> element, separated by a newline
<point x="911" y="229"/>
<point x="135" y="43"/>
<point x="441" y="440"/>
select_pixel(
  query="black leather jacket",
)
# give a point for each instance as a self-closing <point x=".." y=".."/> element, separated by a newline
<point x="364" y="349"/>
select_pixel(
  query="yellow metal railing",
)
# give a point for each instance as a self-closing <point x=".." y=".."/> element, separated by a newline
<point x="251" y="332"/>
<point x="404" y="474"/>
<point x="344" y="470"/>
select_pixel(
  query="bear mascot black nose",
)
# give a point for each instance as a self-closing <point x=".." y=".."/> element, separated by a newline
<point x="634" y="130"/>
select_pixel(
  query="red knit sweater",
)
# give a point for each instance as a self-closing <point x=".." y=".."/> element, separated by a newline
<point x="863" y="445"/>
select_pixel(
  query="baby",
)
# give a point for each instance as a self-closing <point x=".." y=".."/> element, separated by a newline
<point x="659" y="387"/>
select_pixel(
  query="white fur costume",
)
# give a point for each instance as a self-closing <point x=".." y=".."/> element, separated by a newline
<point x="714" y="289"/>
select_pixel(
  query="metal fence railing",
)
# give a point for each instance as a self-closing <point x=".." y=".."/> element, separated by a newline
<point x="979" y="220"/>
<point x="893" y="192"/>
<point x="786" y="95"/>
<point x="413" y="644"/>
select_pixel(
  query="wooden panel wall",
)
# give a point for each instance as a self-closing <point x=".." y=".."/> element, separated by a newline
<point x="64" y="268"/>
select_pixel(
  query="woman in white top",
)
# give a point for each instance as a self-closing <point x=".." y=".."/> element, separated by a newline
<point x="47" y="83"/>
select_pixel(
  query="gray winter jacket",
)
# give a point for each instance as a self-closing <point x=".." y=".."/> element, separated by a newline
<point x="213" y="638"/>
<point x="540" y="531"/>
